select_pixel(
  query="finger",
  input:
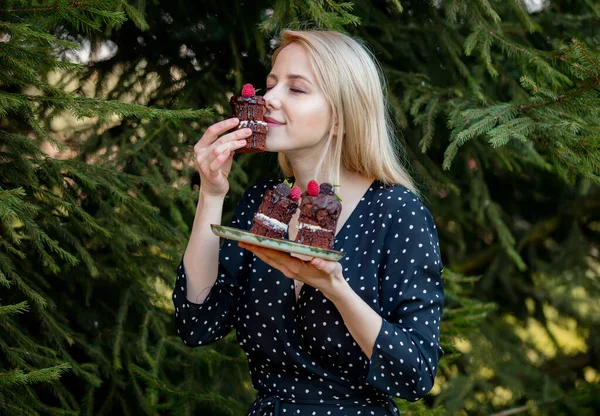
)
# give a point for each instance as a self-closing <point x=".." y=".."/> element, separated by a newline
<point x="271" y="262"/>
<point x="276" y="255"/>
<point x="233" y="136"/>
<point x="265" y="256"/>
<point x="212" y="133"/>
<point x="230" y="145"/>
<point x="253" y="247"/>
<point x="326" y="266"/>
<point x="291" y="264"/>
<point x="320" y="264"/>
<point x="218" y="162"/>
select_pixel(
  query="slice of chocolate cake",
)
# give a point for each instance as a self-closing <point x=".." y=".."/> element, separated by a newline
<point x="250" y="109"/>
<point x="275" y="211"/>
<point x="319" y="213"/>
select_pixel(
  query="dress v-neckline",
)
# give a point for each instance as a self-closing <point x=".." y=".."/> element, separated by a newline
<point x="336" y="237"/>
<point x="352" y="214"/>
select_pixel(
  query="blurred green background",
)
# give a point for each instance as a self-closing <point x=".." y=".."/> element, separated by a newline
<point x="494" y="102"/>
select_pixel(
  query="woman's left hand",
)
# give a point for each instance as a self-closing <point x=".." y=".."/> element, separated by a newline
<point x="321" y="274"/>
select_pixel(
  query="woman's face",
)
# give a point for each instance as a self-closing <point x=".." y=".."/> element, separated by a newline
<point x="298" y="115"/>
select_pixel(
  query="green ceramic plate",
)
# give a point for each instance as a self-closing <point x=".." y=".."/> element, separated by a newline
<point x="281" y="245"/>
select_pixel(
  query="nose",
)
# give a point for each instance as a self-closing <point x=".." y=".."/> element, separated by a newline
<point x="271" y="100"/>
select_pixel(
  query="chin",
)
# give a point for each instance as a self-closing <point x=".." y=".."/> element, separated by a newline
<point x="274" y="144"/>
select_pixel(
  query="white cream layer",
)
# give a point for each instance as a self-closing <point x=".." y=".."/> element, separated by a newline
<point x="245" y="123"/>
<point x="312" y="227"/>
<point x="272" y="222"/>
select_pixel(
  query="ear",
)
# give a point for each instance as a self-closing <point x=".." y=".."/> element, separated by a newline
<point x="335" y="128"/>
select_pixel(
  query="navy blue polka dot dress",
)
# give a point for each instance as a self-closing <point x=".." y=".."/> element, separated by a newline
<point x="302" y="359"/>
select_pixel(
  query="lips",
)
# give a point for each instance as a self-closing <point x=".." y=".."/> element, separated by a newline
<point x="272" y="121"/>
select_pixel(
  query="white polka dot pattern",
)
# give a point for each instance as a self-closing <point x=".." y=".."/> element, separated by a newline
<point x="406" y="353"/>
<point x="302" y="359"/>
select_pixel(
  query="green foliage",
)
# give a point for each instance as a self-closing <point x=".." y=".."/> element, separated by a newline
<point x="318" y="14"/>
<point x="504" y="101"/>
<point x="86" y="252"/>
<point x="495" y="106"/>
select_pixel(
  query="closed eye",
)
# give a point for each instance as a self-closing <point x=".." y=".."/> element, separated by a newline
<point x="294" y="90"/>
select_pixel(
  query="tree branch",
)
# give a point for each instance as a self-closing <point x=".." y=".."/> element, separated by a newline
<point x="538" y="232"/>
<point x="523" y="108"/>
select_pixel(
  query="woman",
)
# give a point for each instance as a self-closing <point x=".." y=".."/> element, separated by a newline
<point x="322" y="337"/>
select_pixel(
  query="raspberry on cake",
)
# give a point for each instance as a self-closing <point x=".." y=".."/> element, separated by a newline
<point x="319" y="213"/>
<point x="275" y="211"/>
<point x="250" y="109"/>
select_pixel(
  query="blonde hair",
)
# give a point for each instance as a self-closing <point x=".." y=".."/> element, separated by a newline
<point x="354" y="86"/>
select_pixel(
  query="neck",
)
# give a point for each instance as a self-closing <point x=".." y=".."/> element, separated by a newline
<point x="304" y="164"/>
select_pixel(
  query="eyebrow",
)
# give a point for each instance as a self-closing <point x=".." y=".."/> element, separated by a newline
<point x="291" y="76"/>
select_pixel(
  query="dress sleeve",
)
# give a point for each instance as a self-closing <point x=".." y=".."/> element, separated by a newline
<point x="406" y="352"/>
<point x="201" y="324"/>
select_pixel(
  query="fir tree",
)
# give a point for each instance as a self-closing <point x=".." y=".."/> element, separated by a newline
<point x="86" y="253"/>
<point x="497" y="107"/>
<point x="494" y="105"/>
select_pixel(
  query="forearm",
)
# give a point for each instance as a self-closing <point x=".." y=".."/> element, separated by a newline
<point x="362" y="322"/>
<point x="201" y="257"/>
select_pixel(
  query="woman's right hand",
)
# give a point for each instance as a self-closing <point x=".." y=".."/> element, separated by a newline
<point x="214" y="155"/>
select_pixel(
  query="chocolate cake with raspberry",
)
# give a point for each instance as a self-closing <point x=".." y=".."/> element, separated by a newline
<point x="319" y="213"/>
<point x="275" y="211"/>
<point x="250" y="109"/>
